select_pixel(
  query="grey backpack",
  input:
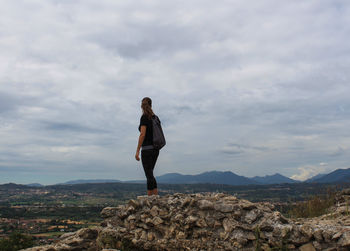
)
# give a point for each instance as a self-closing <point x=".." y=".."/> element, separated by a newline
<point x="158" y="135"/>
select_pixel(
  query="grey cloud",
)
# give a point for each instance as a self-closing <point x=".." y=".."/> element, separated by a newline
<point x="20" y="162"/>
<point x="186" y="110"/>
<point x="266" y="84"/>
<point x="238" y="149"/>
<point x="8" y="102"/>
<point x="72" y="127"/>
<point x="11" y="105"/>
<point x="143" y="40"/>
<point x="14" y="169"/>
<point x="296" y="116"/>
<point x="248" y="147"/>
<point x="340" y="151"/>
<point x="232" y="152"/>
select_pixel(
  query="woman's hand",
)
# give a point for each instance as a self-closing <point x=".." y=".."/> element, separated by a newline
<point x="137" y="156"/>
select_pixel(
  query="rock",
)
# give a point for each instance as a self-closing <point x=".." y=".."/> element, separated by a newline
<point x="307" y="231"/>
<point x="109" y="212"/>
<point x="180" y="235"/>
<point x="205" y="205"/>
<point x="226" y="197"/>
<point x="131" y="217"/>
<point x="87" y="233"/>
<point x="201" y="223"/>
<point x="156" y="221"/>
<point x="239" y="236"/>
<point x="247" y="205"/>
<point x="179" y="218"/>
<point x="228" y="225"/>
<point x="290" y="247"/>
<point x="327" y="236"/>
<point x="186" y="202"/>
<point x="224" y="208"/>
<point x="317" y="245"/>
<point x="279" y="217"/>
<point x="205" y="221"/>
<point x="266" y="225"/>
<point x="251" y="216"/>
<point x="307" y="247"/>
<point x="150" y="236"/>
<point x="134" y="203"/>
<point x="66" y="235"/>
<point x="337" y="236"/>
<point x="344" y="241"/>
<point x="318" y="235"/>
<point x="250" y="236"/>
<point x="191" y="219"/>
<point x="154" y="211"/>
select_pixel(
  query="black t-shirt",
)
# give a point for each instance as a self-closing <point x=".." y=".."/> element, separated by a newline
<point x="149" y="130"/>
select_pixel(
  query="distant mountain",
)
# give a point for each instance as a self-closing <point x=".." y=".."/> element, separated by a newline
<point x="312" y="179"/>
<point x="13" y="186"/>
<point x="72" y="182"/>
<point x="135" y="181"/>
<point x="34" y="185"/>
<point x="339" y="175"/>
<point x="213" y="177"/>
<point x="273" y="179"/>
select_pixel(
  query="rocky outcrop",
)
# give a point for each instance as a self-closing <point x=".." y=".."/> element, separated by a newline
<point x="211" y="221"/>
<point x="83" y="239"/>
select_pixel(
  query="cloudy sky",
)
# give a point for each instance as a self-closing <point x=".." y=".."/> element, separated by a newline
<point x="252" y="87"/>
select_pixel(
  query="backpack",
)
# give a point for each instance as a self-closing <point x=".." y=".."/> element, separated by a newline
<point x="158" y="136"/>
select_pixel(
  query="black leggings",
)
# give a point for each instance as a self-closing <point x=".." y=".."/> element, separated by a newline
<point x="149" y="159"/>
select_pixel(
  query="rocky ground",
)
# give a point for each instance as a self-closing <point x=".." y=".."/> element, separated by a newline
<point x="211" y="221"/>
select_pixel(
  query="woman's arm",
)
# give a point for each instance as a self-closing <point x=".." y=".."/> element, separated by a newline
<point x="141" y="138"/>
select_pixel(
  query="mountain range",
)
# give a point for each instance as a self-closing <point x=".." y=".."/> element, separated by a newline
<point x="274" y="179"/>
<point x="215" y="177"/>
<point x="73" y="182"/>
<point x="337" y="176"/>
<point x="227" y="178"/>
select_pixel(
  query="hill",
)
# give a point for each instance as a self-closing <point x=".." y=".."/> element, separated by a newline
<point x="273" y="179"/>
<point x="213" y="177"/>
<point x="312" y="179"/>
<point x="34" y="185"/>
<point x="73" y="182"/>
<point x="13" y="186"/>
<point x="337" y="176"/>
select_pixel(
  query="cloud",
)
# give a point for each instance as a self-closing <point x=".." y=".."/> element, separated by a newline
<point x="340" y="151"/>
<point x="71" y="127"/>
<point x="234" y="149"/>
<point x="7" y="103"/>
<point x="266" y="84"/>
<point x="308" y="171"/>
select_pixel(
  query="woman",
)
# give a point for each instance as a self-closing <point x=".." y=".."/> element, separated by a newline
<point x="148" y="154"/>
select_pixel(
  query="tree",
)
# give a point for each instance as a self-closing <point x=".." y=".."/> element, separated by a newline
<point x="16" y="241"/>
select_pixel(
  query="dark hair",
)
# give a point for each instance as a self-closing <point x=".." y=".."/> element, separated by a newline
<point x="146" y="106"/>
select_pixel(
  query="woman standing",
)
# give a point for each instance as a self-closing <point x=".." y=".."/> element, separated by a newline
<point x="149" y="155"/>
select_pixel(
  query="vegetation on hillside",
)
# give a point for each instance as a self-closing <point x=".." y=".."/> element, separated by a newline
<point x="16" y="241"/>
<point x="315" y="206"/>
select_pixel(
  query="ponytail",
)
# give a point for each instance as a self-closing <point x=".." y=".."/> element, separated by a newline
<point x="146" y="106"/>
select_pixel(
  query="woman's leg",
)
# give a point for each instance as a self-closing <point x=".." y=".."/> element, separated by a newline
<point x="155" y="191"/>
<point x="154" y="161"/>
<point x="149" y="159"/>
